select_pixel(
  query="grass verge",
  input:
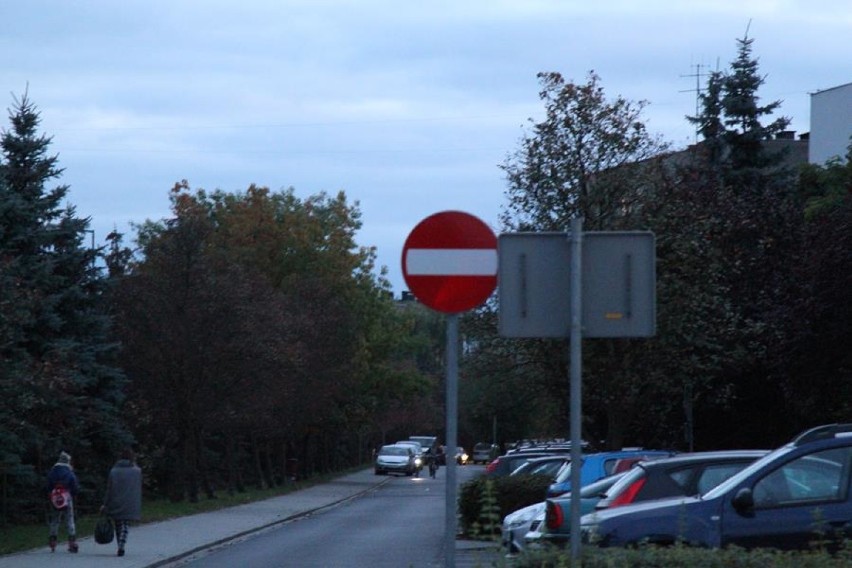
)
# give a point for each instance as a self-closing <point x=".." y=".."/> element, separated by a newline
<point x="18" y="538"/>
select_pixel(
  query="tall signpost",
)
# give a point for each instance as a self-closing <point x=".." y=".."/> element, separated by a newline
<point x="594" y="284"/>
<point x="449" y="262"/>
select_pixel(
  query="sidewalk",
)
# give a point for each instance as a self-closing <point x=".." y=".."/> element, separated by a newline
<point x="158" y="544"/>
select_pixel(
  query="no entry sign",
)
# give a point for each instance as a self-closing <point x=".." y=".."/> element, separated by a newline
<point x="449" y="261"/>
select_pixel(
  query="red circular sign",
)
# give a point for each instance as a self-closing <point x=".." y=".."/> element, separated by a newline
<point x="449" y="261"/>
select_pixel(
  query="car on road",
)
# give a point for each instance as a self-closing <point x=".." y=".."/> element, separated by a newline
<point x="483" y="452"/>
<point x="599" y="465"/>
<point x="462" y="457"/>
<point x="684" y="474"/>
<point x="395" y="458"/>
<point x="792" y="498"/>
<point x="430" y="445"/>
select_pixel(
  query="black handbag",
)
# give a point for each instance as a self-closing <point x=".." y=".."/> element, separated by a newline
<point x="104" y="531"/>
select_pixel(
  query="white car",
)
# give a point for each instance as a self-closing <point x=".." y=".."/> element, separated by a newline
<point x="533" y="538"/>
<point x="516" y="526"/>
<point x="395" y="459"/>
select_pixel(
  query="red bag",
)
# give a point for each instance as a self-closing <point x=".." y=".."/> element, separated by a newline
<point x="60" y="497"/>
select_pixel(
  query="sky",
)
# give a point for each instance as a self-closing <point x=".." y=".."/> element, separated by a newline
<point x="409" y="107"/>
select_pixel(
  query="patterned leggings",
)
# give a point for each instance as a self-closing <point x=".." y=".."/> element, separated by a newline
<point x="121" y="532"/>
<point x="59" y="515"/>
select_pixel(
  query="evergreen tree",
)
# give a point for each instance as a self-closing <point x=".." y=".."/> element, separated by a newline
<point x="59" y="389"/>
<point x="741" y="181"/>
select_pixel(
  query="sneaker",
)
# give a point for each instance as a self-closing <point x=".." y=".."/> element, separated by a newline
<point x="121" y="552"/>
<point x="72" y="546"/>
<point x="52" y="543"/>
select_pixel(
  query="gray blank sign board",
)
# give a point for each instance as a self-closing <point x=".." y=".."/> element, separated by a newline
<point x="618" y="284"/>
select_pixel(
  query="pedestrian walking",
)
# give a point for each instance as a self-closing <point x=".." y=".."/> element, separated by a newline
<point x="123" y="499"/>
<point x="61" y="489"/>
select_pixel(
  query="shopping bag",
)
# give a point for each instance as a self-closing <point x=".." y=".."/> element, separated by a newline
<point x="104" y="531"/>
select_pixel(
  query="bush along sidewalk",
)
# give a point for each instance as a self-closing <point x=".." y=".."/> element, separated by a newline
<point x="484" y="502"/>
<point x="680" y="556"/>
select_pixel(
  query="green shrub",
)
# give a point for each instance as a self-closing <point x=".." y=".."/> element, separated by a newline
<point x="484" y="502"/>
<point x="679" y="556"/>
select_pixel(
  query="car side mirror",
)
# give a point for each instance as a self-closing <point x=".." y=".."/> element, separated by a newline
<point x="744" y="500"/>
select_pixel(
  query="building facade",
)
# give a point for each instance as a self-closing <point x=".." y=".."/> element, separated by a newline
<point x="831" y="124"/>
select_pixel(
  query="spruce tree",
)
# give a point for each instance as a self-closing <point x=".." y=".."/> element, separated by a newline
<point x="747" y="191"/>
<point x="60" y="389"/>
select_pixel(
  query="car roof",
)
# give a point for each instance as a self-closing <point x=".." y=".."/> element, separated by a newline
<point x="693" y="457"/>
<point x="551" y="457"/>
<point x="824" y="432"/>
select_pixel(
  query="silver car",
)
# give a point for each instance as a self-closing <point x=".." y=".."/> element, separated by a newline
<point x="516" y="525"/>
<point x="395" y="459"/>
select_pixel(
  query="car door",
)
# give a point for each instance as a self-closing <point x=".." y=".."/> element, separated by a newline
<point x="803" y="502"/>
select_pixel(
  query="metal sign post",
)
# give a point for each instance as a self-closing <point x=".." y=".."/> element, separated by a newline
<point x="576" y="402"/>
<point x="450" y="520"/>
<point x="449" y="262"/>
<point x="595" y="284"/>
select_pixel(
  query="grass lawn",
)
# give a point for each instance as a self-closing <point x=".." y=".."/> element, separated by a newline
<point x="17" y="538"/>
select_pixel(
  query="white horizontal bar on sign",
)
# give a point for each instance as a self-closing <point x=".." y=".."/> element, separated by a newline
<point x="451" y="262"/>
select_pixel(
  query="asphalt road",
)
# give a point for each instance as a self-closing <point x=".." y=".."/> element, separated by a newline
<point x="399" y="524"/>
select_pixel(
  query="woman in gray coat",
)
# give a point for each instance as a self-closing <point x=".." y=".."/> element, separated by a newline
<point x="123" y="499"/>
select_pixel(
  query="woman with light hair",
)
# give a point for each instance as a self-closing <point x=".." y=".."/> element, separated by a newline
<point x="61" y="488"/>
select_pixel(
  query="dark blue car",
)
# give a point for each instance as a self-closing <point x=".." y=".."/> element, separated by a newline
<point x="793" y="497"/>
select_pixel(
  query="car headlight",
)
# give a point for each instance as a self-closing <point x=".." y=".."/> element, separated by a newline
<point x="589" y="533"/>
<point x="522" y="517"/>
<point x="418" y="461"/>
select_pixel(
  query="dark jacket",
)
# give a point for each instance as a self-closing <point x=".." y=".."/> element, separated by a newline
<point x="123" y="498"/>
<point x="62" y="473"/>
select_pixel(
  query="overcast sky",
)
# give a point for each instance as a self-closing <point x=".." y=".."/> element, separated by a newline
<point x="407" y="106"/>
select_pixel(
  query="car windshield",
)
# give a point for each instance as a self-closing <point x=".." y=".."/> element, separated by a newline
<point x="601" y="486"/>
<point x="629" y="478"/>
<point x="394" y="451"/>
<point x="735" y="479"/>
<point x="564" y="473"/>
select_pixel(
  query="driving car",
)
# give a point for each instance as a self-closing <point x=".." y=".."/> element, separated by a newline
<point x="791" y="498"/>
<point x="395" y="458"/>
<point x="462" y="457"/>
<point x="419" y="460"/>
<point x="684" y="474"/>
<point x="429" y="443"/>
<point x="484" y="452"/>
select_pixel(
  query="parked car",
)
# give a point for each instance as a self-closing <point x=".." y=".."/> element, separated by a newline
<point x="681" y="475"/>
<point x="520" y="527"/>
<point x="547" y="465"/>
<point x="599" y="465"/>
<point x="395" y="458"/>
<point x="507" y="463"/>
<point x="789" y="499"/>
<point x="549" y="448"/>
<point x="484" y="452"/>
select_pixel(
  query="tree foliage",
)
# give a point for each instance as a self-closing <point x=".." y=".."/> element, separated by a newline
<point x="253" y="322"/>
<point x="740" y="287"/>
<point x="59" y="383"/>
